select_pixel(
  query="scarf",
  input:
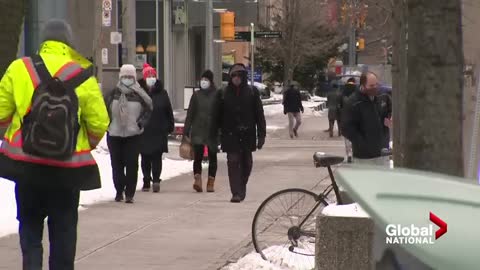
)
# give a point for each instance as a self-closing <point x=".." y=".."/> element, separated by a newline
<point x="123" y="101"/>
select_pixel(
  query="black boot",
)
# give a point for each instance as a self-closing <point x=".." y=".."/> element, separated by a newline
<point x="146" y="184"/>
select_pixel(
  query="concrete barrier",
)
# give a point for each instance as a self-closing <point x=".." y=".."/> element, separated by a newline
<point x="344" y="239"/>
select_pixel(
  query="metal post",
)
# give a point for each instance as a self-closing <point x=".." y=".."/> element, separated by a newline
<point x="97" y="46"/>
<point x="209" y="36"/>
<point x="252" y="57"/>
<point x="129" y="29"/>
<point x="157" y="36"/>
<point x="352" y="47"/>
<point x="167" y="37"/>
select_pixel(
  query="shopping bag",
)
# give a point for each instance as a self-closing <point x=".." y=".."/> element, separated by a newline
<point x="186" y="149"/>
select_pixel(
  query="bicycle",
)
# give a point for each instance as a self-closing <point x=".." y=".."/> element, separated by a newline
<point x="297" y="236"/>
<point x="299" y="210"/>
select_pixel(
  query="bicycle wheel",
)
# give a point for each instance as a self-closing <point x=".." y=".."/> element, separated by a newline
<point x="283" y="232"/>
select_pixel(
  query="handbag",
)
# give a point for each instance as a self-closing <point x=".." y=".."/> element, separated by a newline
<point x="186" y="149"/>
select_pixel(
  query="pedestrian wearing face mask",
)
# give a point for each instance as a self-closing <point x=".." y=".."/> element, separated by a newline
<point x="129" y="107"/>
<point x="154" y="140"/>
<point x="363" y="121"/>
<point x="198" y="127"/>
<point x="239" y="116"/>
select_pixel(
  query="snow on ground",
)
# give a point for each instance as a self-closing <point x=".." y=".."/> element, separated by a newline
<point x="280" y="258"/>
<point x="348" y="210"/>
<point x="9" y="224"/>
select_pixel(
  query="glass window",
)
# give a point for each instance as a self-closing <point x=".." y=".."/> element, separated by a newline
<point x="145" y="13"/>
<point x="146" y="45"/>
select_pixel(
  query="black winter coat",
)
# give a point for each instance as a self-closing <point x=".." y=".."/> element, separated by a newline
<point x="292" y="101"/>
<point x="239" y="116"/>
<point x="362" y="124"/>
<point x="155" y="135"/>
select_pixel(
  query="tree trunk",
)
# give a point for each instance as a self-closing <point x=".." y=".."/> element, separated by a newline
<point x="399" y="80"/>
<point x="11" y="20"/>
<point x="435" y="86"/>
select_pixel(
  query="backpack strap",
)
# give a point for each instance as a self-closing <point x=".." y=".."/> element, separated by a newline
<point x="41" y="69"/>
<point x="80" y="78"/>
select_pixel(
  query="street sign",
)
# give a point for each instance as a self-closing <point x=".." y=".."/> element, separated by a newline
<point x="115" y="38"/>
<point x="268" y="34"/>
<point x="107" y="18"/>
<point x="105" y="56"/>
<point x="246" y="35"/>
<point x="107" y="5"/>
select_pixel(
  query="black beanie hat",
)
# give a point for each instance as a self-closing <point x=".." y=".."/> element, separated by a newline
<point x="208" y="74"/>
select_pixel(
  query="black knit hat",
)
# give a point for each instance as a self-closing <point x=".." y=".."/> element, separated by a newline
<point x="208" y="74"/>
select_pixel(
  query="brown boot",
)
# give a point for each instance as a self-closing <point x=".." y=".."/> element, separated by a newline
<point x="210" y="184"/>
<point x="197" y="184"/>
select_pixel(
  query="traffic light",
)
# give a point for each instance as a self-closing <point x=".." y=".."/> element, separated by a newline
<point x="361" y="44"/>
<point x="227" y="21"/>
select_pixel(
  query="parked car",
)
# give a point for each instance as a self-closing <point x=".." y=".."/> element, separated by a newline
<point x="305" y="95"/>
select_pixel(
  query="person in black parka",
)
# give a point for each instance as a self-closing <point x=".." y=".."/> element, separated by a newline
<point x="240" y="117"/>
<point x="154" y="141"/>
<point x="198" y="129"/>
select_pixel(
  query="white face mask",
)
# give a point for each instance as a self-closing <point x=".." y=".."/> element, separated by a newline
<point x="205" y="84"/>
<point x="127" y="81"/>
<point x="151" y="81"/>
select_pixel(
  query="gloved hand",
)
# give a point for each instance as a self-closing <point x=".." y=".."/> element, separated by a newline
<point x="260" y="143"/>
<point x="302" y="110"/>
<point x="284" y="112"/>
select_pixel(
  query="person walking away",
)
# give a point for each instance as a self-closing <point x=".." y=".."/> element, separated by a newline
<point x="154" y="139"/>
<point x="347" y="91"/>
<point x="240" y="117"/>
<point x="50" y="161"/>
<point x="333" y="103"/>
<point x="292" y="106"/>
<point x="198" y="127"/>
<point x="362" y="121"/>
<point x="129" y="108"/>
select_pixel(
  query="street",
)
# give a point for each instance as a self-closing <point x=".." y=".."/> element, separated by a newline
<point x="180" y="229"/>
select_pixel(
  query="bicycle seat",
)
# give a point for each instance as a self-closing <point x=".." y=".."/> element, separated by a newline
<point x="323" y="160"/>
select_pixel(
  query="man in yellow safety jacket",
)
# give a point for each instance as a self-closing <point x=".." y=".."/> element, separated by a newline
<point x="50" y="186"/>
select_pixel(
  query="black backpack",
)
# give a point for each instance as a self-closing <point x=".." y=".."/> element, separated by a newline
<point x="50" y="128"/>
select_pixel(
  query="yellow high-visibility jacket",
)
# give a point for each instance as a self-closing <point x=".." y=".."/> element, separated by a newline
<point x="16" y="90"/>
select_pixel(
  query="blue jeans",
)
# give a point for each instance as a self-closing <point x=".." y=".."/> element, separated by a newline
<point x="34" y="204"/>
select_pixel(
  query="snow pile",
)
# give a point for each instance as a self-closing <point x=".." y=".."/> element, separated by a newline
<point x="272" y="110"/>
<point x="348" y="210"/>
<point x="318" y="99"/>
<point x="9" y="224"/>
<point x="282" y="260"/>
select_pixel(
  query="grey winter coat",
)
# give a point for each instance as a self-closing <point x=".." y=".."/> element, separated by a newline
<point x="129" y="109"/>
<point x="199" y="119"/>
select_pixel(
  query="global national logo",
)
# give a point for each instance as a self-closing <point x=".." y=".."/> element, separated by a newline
<point x="413" y="234"/>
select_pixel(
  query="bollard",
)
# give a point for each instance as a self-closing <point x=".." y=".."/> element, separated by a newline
<point x="344" y="242"/>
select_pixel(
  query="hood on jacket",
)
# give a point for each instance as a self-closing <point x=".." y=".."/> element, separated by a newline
<point x="59" y="48"/>
<point x="239" y="67"/>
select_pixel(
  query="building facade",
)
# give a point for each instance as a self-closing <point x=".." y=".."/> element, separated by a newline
<point x="163" y="29"/>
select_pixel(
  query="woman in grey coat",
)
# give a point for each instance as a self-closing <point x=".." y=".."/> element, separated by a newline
<point x="129" y="107"/>
<point x="198" y="129"/>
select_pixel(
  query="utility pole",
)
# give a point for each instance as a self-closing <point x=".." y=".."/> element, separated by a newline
<point x="252" y="59"/>
<point x="128" y="31"/>
<point x="209" y="36"/>
<point x="97" y="44"/>
<point x="352" y="47"/>
<point x="167" y="52"/>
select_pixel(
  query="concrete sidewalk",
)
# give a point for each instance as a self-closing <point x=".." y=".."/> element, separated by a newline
<point x="179" y="229"/>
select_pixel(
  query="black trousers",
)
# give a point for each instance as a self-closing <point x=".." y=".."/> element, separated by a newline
<point x="124" y="154"/>
<point x="152" y="166"/>
<point x="239" y="170"/>
<point x="212" y="160"/>
<point x="34" y="204"/>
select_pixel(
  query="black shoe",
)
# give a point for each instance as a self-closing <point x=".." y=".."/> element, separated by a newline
<point x="119" y="197"/>
<point x="236" y="199"/>
<point x="146" y="184"/>
<point x="129" y="200"/>
<point x="295" y="132"/>
<point x="349" y="159"/>
<point x="242" y="198"/>
<point x="156" y="187"/>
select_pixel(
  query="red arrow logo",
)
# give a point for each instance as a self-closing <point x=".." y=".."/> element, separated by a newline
<point x="440" y="223"/>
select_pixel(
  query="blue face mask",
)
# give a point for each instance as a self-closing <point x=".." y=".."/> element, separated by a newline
<point x="127" y="81"/>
